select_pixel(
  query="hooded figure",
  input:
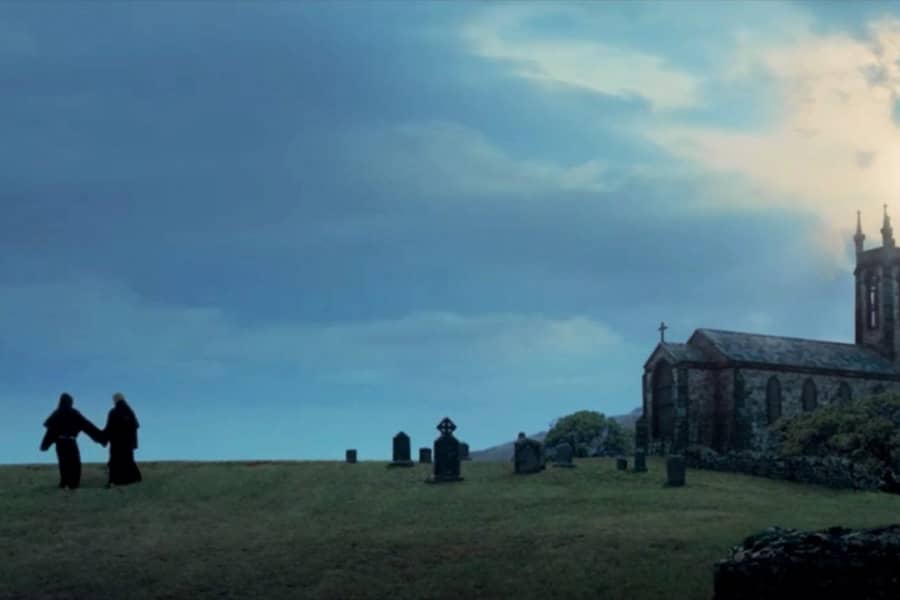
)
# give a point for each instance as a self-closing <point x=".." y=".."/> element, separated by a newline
<point x="121" y="433"/>
<point x="63" y="426"/>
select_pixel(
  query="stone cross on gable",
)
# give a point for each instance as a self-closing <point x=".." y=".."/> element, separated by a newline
<point x="662" y="331"/>
<point x="446" y="426"/>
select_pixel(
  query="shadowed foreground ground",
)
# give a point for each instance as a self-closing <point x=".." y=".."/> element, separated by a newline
<point x="332" y="530"/>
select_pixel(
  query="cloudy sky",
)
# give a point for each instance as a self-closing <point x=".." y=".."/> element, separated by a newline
<point x="287" y="229"/>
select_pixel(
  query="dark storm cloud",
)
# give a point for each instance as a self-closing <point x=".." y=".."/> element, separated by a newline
<point x="335" y="214"/>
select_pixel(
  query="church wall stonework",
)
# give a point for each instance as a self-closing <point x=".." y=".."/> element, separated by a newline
<point x="707" y="408"/>
<point x="723" y="427"/>
<point x="703" y="405"/>
<point x="756" y="381"/>
<point x="702" y="385"/>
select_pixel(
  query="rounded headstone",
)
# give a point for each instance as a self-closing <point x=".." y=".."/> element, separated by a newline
<point x="351" y="456"/>
<point x="562" y="455"/>
<point x="401" y="451"/>
<point x="528" y="456"/>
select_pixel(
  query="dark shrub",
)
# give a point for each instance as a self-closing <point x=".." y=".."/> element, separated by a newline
<point x="866" y="431"/>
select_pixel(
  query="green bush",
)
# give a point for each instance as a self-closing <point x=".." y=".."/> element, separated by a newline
<point x="864" y="430"/>
<point x="618" y="439"/>
<point x="586" y="430"/>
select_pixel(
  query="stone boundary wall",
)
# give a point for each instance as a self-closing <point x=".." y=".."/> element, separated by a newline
<point x="834" y="472"/>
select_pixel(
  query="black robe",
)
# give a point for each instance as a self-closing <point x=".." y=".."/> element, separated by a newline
<point x="121" y="433"/>
<point x="63" y="426"/>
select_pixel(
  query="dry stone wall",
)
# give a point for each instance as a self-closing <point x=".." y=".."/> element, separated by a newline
<point x="832" y="471"/>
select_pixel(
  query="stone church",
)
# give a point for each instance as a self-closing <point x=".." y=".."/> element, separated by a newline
<point x="723" y="389"/>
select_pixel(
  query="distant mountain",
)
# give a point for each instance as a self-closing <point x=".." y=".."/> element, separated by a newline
<point x="504" y="452"/>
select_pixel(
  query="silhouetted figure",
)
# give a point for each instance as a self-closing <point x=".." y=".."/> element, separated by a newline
<point x="63" y="426"/>
<point x="121" y="433"/>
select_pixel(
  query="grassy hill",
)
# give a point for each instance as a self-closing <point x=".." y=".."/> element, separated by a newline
<point x="504" y="452"/>
<point x="332" y="530"/>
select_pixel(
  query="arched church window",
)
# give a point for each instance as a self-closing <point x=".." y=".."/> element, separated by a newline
<point x="872" y="302"/>
<point x="773" y="399"/>
<point x="809" y="395"/>
<point x="844" y="395"/>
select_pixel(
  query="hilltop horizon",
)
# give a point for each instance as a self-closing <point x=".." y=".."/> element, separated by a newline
<point x="484" y="453"/>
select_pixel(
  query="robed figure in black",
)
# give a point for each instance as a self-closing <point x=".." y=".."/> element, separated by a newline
<point x="121" y="433"/>
<point x="63" y="426"/>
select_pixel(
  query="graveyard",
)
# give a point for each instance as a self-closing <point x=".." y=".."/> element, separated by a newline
<point x="359" y="530"/>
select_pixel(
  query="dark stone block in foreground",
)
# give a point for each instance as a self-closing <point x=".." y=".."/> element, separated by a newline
<point x="834" y="563"/>
<point x="622" y="464"/>
<point x="351" y="456"/>
<point x="675" y="471"/>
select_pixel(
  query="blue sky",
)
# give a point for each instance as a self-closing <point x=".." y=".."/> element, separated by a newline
<point x="287" y="229"/>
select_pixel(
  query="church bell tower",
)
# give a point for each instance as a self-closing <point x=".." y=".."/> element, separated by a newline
<point x="877" y="272"/>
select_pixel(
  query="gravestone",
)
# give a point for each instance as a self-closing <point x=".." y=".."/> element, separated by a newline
<point x="563" y="455"/>
<point x="424" y="456"/>
<point x="640" y="462"/>
<point x="528" y="456"/>
<point x="446" y="455"/>
<point x="351" y="456"/>
<point x="622" y="464"/>
<point x="675" y="471"/>
<point x="401" y="451"/>
<point x="641" y="434"/>
<point x="464" y="451"/>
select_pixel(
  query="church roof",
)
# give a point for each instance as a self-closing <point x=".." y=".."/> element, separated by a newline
<point x="796" y="352"/>
<point x="684" y="352"/>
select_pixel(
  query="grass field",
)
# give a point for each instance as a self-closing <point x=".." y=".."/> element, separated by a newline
<point x="333" y="530"/>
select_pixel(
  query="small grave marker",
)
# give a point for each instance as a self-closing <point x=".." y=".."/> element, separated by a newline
<point x="640" y="462"/>
<point x="528" y="456"/>
<point x="675" y="471"/>
<point x="563" y="456"/>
